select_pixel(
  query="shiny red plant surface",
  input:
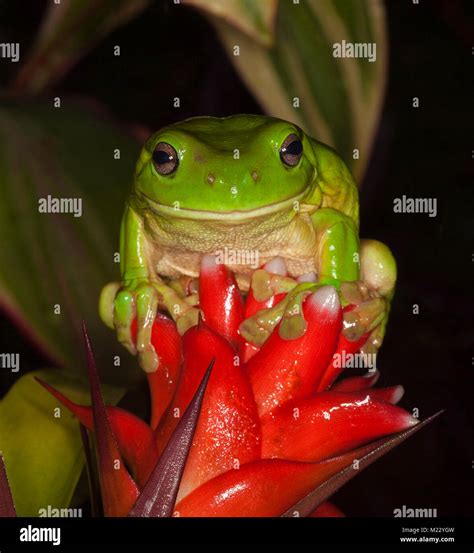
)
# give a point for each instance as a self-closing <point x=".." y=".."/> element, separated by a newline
<point x="272" y="424"/>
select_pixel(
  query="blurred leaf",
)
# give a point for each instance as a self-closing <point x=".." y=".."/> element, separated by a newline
<point x="254" y="18"/>
<point x="339" y="98"/>
<point x="43" y="453"/>
<point x="68" y="31"/>
<point x="50" y="259"/>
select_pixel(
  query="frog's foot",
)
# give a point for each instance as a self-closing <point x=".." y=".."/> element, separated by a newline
<point x="372" y="295"/>
<point x="369" y="312"/>
<point x="378" y="269"/>
<point x="369" y="316"/>
<point x="181" y="307"/>
<point x="293" y="324"/>
<point x="265" y="284"/>
<point x="375" y="340"/>
<point x="180" y="297"/>
<point x="187" y="319"/>
<point x="257" y="329"/>
<point x="119" y="306"/>
<point x="184" y="285"/>
<point x="106" y="303"/>
<point x="139" y="299"/>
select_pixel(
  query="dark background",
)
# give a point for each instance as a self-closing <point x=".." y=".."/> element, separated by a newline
<point x="424" y="152"/>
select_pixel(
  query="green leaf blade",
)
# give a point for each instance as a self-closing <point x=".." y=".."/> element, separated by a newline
<point x="53" y="266"/>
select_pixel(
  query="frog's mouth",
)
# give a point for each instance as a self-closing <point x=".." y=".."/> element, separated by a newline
<point x="230" y="216"/>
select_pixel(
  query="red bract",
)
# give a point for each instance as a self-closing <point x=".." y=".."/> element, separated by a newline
<point x="220" y="299"/>
<point x="268" y="432"/>
<point x="264" y="488"/>
<point x="164" y="380"/>
<point x="119" y="491"/>
<point x="134" y="437"/>
<point x="290" y="369"/>
<point x="328" y="424"/>
<point x="355" y="383"/>
<point x="228" y="432"/>
<point x="344" y="346"/>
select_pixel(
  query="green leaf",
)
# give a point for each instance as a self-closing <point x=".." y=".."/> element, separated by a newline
<point x="254" y="18"/>
<point x="53" y="266"/>
<point x="43" y="452"/>
<point x="339" y="98"/>
<point x="68" y="31"/>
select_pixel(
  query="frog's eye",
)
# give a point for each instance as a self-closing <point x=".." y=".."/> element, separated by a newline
<point x="165" y="158"/>
<point x="291" y="150"/>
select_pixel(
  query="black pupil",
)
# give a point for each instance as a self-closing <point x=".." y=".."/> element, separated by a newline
<point x="161" y="157"/>
<point x="294" y="148"/>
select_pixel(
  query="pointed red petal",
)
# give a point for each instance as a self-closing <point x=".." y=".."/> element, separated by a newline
<point x="329" y="424"/>
<point x="7" y="507"/>
<point x="119" y="491"/>
<point x="220" y="299"/>
<point x="327" y="510"/>
<point x="200" y="346"/>
<point x="289" y="369"/>
<point x="263" y="488"/>
<point x="163" y="382"/>
<point x="134" y="437"/>
<point x="159" y="495"/>
<point x="365" y="456"/>
<point x="228" y="431"/>
<point x="391" y="394"/>
<point x="356" y="383"/>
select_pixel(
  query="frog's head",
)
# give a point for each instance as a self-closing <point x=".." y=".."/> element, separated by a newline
<point x="236" y="167"/>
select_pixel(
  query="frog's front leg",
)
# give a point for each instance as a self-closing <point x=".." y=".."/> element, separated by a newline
<point x="365" y="274"/>
<point x="372" y="294"/>
<point x="337" y="239"/>
<point x="139" y="295"/>
<point x="336" y="260"/>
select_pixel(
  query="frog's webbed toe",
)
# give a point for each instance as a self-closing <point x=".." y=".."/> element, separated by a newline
<point x="370" y="296"/>
<point x="265" y="285"/>
<point x="368" y="313"/>
<point x="106" y="303"/>
<point x="257" y="328"/>
<point x="124" y="314"/>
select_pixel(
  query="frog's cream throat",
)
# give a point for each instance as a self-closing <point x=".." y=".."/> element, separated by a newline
<point x="229" y="216"/>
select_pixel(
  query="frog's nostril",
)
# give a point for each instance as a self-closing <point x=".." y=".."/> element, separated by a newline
<point x="255" y="176"/>
<point x="211" y="178"/>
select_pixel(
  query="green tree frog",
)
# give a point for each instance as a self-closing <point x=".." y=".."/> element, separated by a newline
<point x="244" y="183"/>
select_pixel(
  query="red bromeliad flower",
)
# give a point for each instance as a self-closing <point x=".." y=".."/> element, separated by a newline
<point x="241" y="430"/>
